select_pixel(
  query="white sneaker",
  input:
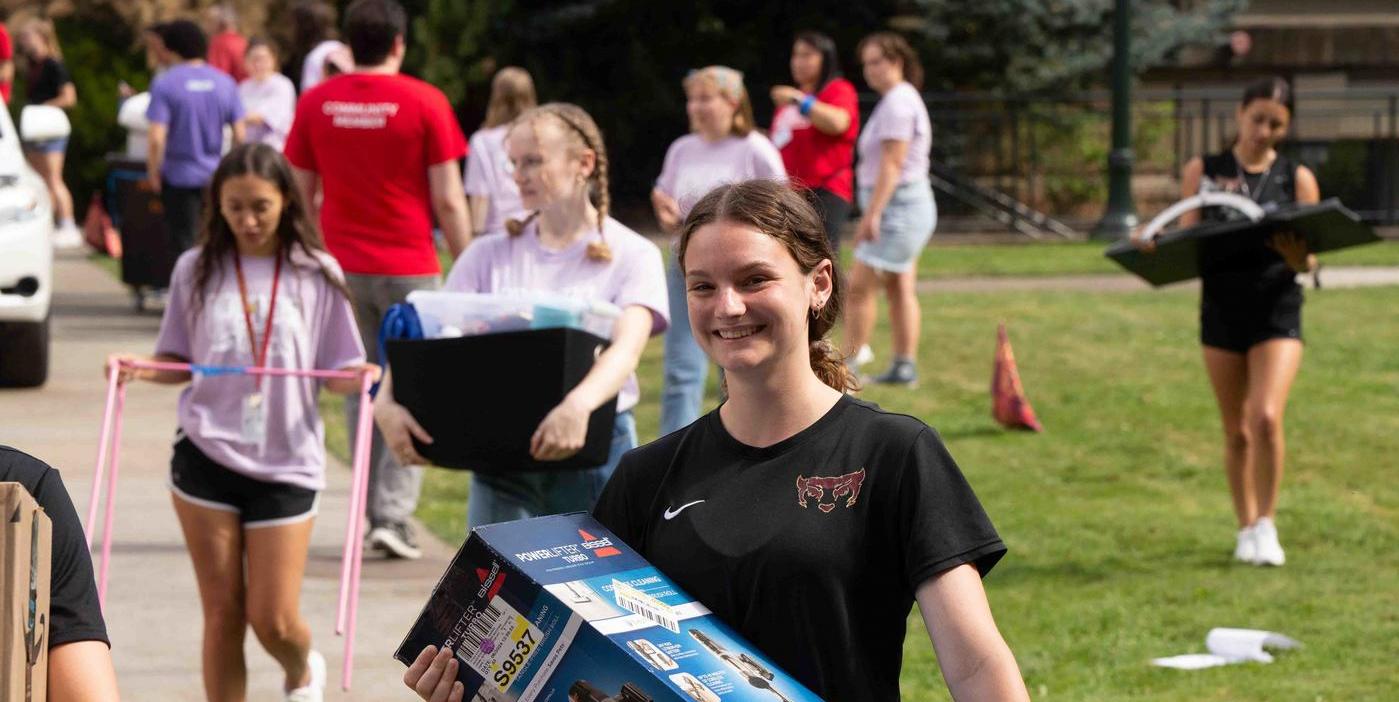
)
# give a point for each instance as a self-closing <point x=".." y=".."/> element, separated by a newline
<point x="67" y="237"/>
<point x="1269" y="550"/>
<point x="864" y="355"/>
<point x="1246" y="550"/>
<point x="313" y="691"/>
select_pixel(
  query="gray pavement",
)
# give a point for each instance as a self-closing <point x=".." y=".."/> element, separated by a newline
<point x="153" y="606"/>
<point x="1331" y="277"/>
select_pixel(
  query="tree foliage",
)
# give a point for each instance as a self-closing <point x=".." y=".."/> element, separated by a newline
<point x="1018" y="46"/>
<point x="623" y="60"/>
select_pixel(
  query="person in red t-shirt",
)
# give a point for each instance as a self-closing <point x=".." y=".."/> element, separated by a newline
<point x="226" y="45"/>
<point x="7" y="58"/>
<point x="383" y="148"/>
<point x="815" y="127"/>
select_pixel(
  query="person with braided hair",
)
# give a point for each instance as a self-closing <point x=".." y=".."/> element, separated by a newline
<point x="569" y="245"/>
<point x="722" y="147"/>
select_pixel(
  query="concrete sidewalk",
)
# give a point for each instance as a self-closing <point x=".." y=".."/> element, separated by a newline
<point x="1332" y="277"/>
<point x="153" y="612"/>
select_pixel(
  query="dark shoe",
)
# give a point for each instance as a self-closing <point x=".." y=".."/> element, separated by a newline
<point x="900" y="373"/>
<point x="396" y="540"/>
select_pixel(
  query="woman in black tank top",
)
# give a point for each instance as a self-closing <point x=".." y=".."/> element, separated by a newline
<point x="1250" y="312"/>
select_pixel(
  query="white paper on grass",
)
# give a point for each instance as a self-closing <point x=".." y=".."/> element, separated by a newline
<point x="1229" y="646"/>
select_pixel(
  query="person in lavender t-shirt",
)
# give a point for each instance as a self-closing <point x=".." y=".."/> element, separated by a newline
<point x="722" y="147"/>
<point x="191" y="103"/>
<point x="249" y="454"/>
<point x="491" y="192"/>
<point x="269" y="98"/>
<point x="897" y="200"/>
<point x="567" y="245"/>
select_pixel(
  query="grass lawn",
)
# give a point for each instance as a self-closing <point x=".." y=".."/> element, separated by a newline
<point x="1118" y="517"/>
<point x="1079" y="258"/>
<point x="1070" y="258"/>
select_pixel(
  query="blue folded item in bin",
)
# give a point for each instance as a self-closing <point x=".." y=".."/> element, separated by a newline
<point x="400" y="322"/>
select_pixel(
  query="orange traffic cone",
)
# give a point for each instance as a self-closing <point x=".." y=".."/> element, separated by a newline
<point x="1008" y="403"/>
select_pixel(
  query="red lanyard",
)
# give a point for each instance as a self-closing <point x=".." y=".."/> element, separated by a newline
<point x="259" y="357"/>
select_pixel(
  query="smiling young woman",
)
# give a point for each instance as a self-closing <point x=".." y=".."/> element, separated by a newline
<point x="807" y="519"/>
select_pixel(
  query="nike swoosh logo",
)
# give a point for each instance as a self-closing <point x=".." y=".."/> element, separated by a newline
<point x="669" y="515"/>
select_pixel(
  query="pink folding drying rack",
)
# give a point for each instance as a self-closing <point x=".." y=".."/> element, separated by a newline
<point x="347" y="606"/>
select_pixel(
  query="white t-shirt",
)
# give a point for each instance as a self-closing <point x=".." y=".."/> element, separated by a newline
<point x="313" y="69"/>
<point x="899" y="116"/>
<point x="275" y="99"/>
<point x="635" y="276"/>
<point x="488" y="175"/>
<point x="694" y="166"/>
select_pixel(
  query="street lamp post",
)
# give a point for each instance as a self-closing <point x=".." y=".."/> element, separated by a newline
<point x="1121" y="215"/>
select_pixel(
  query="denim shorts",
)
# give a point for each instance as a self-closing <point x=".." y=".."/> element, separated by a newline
<point x="496" y="498"/>
<point x="904" y="229"/>
<point x="47" y="146"/>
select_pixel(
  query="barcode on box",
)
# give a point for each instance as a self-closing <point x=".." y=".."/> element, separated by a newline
<point x="481" y="628"/>
<point x="640" y="603"/>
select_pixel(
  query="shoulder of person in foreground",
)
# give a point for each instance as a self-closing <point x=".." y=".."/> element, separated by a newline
<point x="184" y="265"/>
<point x="485" y="251"/>
<point x="630" y="240"/>
<point x="682" y="144"/>
<point x="767" y="160"/>
<point x="315" y="260"/>
<point x="893" y="427"/>
<point x="635" y="483"/>
<point x="74" y="612"/>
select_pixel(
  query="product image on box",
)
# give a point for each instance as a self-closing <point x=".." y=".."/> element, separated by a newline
<point x="557" y="609"/>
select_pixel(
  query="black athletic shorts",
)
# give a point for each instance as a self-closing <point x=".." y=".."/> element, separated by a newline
<point x="1239" y="323"/>
<point x="197" y="479"/>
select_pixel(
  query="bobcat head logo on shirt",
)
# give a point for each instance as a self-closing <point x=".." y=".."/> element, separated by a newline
<point x="847" y="486"/>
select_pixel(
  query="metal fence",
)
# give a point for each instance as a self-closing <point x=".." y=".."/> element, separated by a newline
<point x="1050" y="152"/>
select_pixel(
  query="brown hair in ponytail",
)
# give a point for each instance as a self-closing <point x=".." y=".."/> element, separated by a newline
<point x="582" y="133"/>
<point x="786" y="215"/>
<point x="896" y="48"/>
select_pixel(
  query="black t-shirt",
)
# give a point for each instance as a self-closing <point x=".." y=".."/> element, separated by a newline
<point x="74" y="613"/>
<point x="811" y="548"/>
<point x="1245" y="276"/>
<point x="46" y="80"/>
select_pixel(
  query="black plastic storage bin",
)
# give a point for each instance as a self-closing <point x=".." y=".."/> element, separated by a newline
<point x="482" y="397"/>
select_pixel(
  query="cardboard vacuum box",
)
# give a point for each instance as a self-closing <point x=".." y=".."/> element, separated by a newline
<point x="557" y="609"/>
<point x="26" y="543"/>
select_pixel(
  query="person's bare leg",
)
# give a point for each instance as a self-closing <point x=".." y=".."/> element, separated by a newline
<point x="860" y="307"/>
<point x="905" y="314"/>
<point x="62" y="198"/>
<point x="276" y="566"/>
<point x="215" y="541"/>
<point x="40" y="163"/>
<point x="1272" y="366"/>
<point x="1228" y="373"/>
